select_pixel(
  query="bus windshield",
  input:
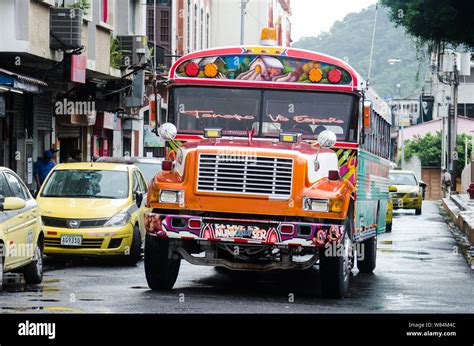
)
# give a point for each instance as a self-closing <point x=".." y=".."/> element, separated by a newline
<point x="269" y="112"/>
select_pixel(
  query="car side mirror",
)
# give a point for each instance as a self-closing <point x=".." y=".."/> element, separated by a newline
<point x="13" y="203"/>
<point x="392" y="189"/>
<point x="423" y="185"/>
<point x="138" y="198"/>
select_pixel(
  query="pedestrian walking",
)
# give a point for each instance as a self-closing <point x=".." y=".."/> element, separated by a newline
<point x="446" y="181"/>
<point x="43" y="166"/>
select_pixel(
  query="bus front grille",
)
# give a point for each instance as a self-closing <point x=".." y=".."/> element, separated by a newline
<point x="255" y="175"/>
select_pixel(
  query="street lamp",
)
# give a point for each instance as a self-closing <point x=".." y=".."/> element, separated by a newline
<point x="394" y="61"/>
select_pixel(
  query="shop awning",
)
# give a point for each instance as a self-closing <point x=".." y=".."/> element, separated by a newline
<point x="15" y="81"/>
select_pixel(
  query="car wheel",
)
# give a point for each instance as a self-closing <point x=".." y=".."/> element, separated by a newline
<point x="1" y="266"/>
<point x="388" y="227"/>
<point x="418" y="211"/>
<point x="367" y="260"/>
<point x="135" y="254"/>
<point x="161" y="271"/>
<point x="33" y="272"/>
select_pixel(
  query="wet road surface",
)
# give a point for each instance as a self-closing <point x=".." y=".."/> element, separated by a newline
<point x="418" y="270"/>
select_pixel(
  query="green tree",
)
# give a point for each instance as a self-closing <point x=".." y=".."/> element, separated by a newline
<point x="435" y="21"/>
<point x="428" y="149"/>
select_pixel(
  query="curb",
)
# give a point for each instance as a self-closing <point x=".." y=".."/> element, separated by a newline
<point x="461" y="225"/>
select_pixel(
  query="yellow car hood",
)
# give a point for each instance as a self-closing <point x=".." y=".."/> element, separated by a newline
<point x="407" y="188"/>
<point x="81" y="208"/>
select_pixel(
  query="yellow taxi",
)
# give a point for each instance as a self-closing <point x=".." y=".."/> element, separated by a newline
<point x="21" y="237"/>
<point x="94" y="209"/>
<point x="409" y="193"/>
<point x="389" y="217"/>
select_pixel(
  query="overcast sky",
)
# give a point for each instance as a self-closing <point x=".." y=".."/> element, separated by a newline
<point x="311" y="17"/>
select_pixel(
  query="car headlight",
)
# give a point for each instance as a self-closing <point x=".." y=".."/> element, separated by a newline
<point x="119" y="219"/>
<point x="172" y="197"/>
<point x="413" y="195"/>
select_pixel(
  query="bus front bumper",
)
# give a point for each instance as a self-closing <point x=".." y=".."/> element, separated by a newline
<point x="249" y="231"/>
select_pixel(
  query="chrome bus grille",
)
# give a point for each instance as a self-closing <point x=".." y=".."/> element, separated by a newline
<point x="256" y="175"/>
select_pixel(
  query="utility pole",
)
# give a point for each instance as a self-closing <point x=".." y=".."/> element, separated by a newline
<point x="453" y="124"/>
<point x="243" y="5"/>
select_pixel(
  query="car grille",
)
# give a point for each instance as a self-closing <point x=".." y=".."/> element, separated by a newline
<point x="95" y="243"/>
<point x="65" y="223"/>
<point x="255" y="175"/>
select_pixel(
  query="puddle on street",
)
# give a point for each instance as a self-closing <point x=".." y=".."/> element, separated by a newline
<point x="44" y="300"/>
<point x="410" y="252"/>
<point x="40" y="308"/>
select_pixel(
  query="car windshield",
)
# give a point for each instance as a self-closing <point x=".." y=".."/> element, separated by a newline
<point x="268" y="112"/>
<point x="87" y="184"/>
<point x="149" y="169"/>
<point x="402" y="179"/>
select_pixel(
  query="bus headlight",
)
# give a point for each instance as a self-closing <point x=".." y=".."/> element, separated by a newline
<point x="172" y="197"/>
<point x="323" y="205"/>
<point x="413" y="195"/>
<point x="316" y="204"/>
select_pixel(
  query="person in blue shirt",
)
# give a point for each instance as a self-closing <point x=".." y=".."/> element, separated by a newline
<point x="43" y="166"/>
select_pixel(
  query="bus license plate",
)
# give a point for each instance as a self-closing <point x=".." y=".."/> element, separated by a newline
<point x="71" y="240"/>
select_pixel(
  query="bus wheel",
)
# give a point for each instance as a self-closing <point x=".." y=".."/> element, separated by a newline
<point x="161" y="271"/>
<point x="336" y="262"/>
<point x="367" y="258"/>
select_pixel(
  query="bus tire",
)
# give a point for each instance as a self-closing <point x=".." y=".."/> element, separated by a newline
<point x="366" y="261"/>
<point x="161" y="272"/>
<point x="335" y="269"/>
<point x="418" y="211"/>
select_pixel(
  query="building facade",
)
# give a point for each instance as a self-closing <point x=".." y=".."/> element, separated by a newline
<point x="59" y="84"/>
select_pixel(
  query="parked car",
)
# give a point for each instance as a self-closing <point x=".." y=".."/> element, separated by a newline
<point x="94" y="209"/>
<point x="409" y="193"/>
<point x="149" y="166"/>
<point x="21" y="236"/>
<point x="389" y="218"/>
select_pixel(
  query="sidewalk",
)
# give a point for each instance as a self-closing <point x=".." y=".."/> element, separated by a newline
<point x="460" y="210"/>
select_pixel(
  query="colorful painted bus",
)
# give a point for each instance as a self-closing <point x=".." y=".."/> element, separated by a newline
<point x="280" y="161"/>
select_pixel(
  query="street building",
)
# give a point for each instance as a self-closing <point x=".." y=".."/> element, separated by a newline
<point x="61" y="84"/>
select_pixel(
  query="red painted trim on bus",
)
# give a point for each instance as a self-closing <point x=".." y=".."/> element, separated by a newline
<point x="240" y="83"/>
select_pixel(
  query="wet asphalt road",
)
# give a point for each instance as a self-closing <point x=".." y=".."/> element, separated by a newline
<point x="418" y="270"/>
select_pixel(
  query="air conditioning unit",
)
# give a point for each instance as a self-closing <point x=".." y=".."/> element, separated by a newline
<point x="65" y="28"/>
<point x="134" y="49"/>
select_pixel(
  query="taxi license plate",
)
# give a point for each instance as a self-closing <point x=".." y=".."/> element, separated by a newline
<point x="71" y="240"/>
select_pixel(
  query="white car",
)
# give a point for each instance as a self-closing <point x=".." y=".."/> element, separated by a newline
<point x="21" y="235"/>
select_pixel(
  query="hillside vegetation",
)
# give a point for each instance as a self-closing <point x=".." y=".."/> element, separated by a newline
<point x="351" y="38"/>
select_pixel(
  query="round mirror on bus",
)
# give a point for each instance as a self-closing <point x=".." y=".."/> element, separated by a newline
<point x="327" y="139"/>
<point x="167" y="131"/>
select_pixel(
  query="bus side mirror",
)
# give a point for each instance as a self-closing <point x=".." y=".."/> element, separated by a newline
<point x="367" y="112"/>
